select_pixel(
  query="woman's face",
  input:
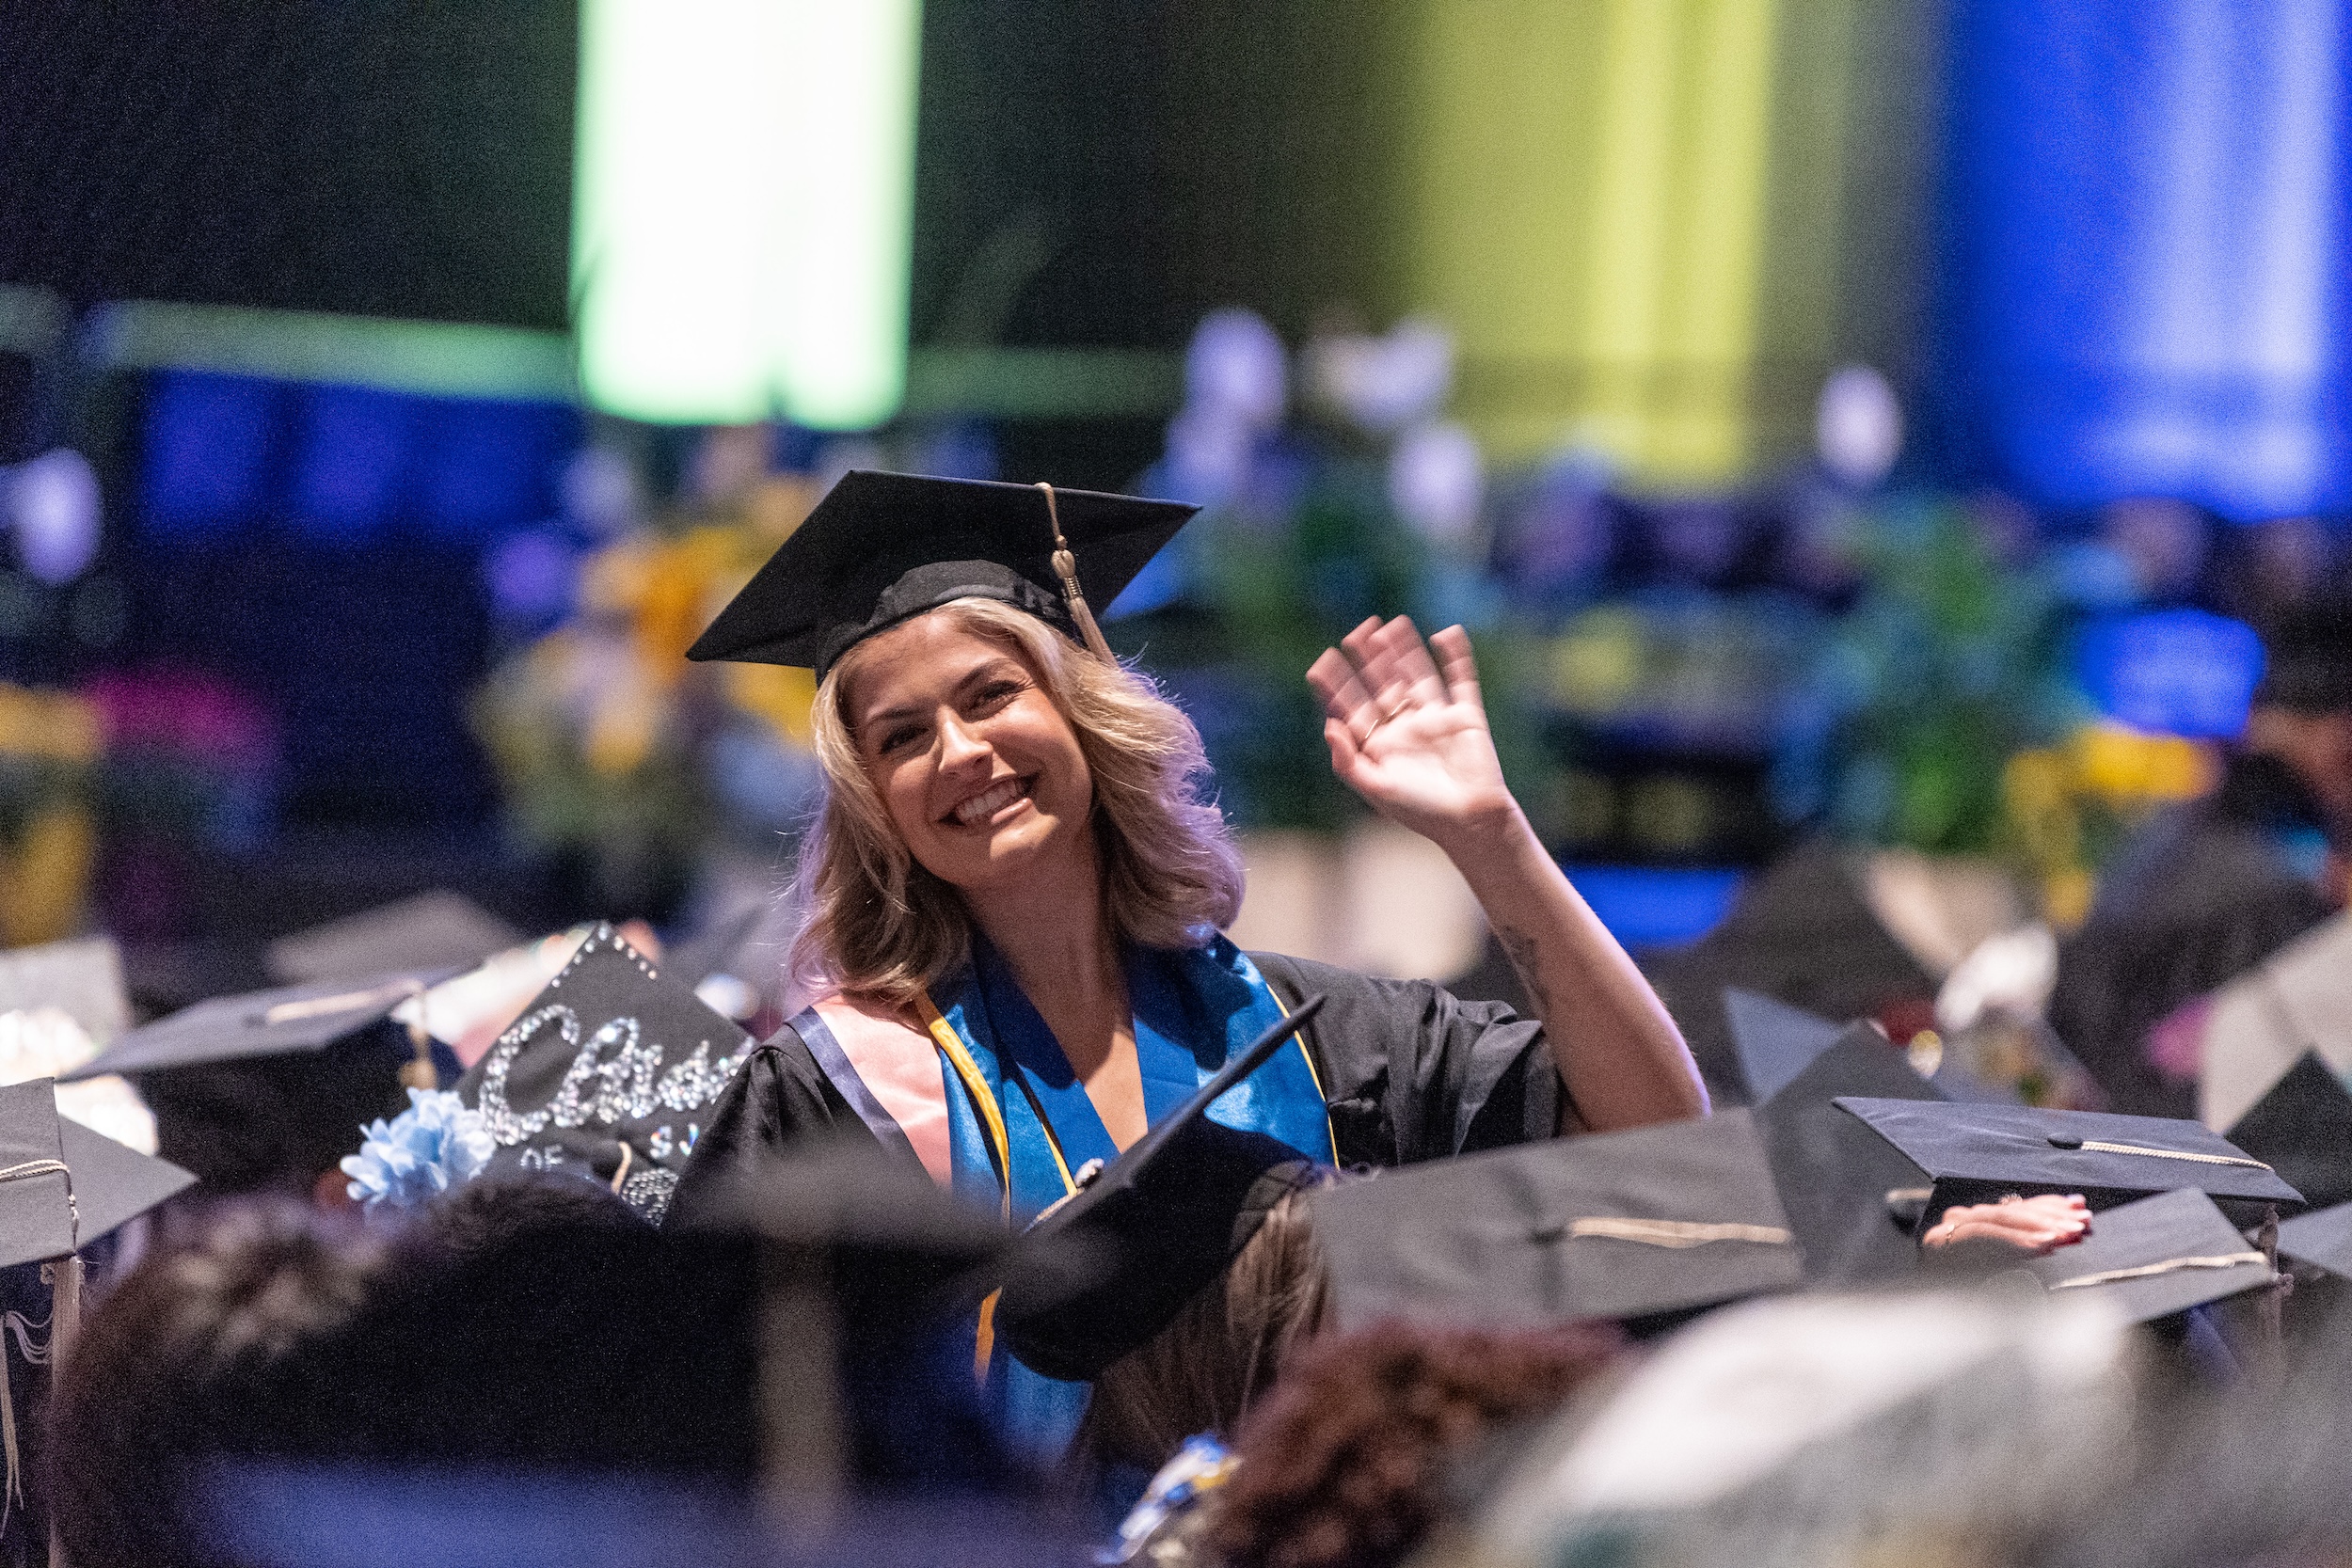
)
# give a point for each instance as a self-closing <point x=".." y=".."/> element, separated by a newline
<point x="981" y="774"/>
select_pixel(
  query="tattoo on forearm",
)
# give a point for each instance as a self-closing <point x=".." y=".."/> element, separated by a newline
<point x="1520" y="949"/>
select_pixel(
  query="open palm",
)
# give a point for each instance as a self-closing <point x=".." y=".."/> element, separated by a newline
<point x="1408" y="731"/>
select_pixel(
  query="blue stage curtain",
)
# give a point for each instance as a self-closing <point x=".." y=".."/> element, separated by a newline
<point x="2148" y="281"/>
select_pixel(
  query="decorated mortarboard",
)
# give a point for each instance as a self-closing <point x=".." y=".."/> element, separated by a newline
<point x="1978" y="1153"/>
<point x="431" y="932"/>
<point x="1613" y="1224"/>
<point x="1850" y="1193"/>
<point x="1164" y="1219"/>
<point x="881" y="549"/>
<point x="284" y="1022"/>
<point x="608" y="1074"/>
<point x="2156" y="1257"/>
<point x="2302" y="1128"/>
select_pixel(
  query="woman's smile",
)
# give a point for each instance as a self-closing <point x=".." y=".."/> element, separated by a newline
<point x="979" y="771"/>
<point x="997" y="801"/>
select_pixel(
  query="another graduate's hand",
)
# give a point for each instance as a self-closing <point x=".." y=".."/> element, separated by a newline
<point x="2033" y="1225"/>
<point x="1408" y="732"/>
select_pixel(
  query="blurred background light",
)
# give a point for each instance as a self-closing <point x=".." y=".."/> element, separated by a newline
<point x="2146" y="221"/>
<point x="742" y="204"/>
<point x="2175" y="671"/>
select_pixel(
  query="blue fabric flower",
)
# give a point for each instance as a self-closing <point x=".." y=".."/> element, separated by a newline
<point x="434" y="1145"/>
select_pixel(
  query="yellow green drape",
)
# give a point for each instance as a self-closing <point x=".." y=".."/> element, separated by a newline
<point x="1630" y="212"/>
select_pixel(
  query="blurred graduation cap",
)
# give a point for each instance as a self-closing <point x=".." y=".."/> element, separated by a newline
<point x="607" y="1074"/>
<point x="2302" y="1128"/>
<point x="881" y="549"/>
<point x="63" y="1186"/>
<point x="1976" y="1153"/>
<point x="433" y="930"/>
<point x="2156" y="1257"/>
<point x="1802" y="933"/>
<point x="1629" y="1225"/>
<point x="1164" y="1219"/>
<point x="1851" y="1196"/>
<point x="296" y="1019"/>
<point x="267" y="1090"/>
<point x="2297" y="1000"/>
<point x="2321" y="1238"/>
<point x="1775" y="1041"/>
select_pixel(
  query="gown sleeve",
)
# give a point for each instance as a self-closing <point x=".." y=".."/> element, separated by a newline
<point x="778" y="1103"/>
<point x="1412" y="1073"/>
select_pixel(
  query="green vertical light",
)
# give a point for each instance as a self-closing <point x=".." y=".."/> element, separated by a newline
<point x="740" y="208"/>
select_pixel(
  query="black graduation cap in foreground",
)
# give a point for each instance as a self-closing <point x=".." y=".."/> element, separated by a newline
<point x="1976" y="1153"/>
<point x="2156" y="1257"/>
<point x="1850" y="1193"/>
<point x="63" y="1186"/>
<point x="881" y="549"/>
<point x="608" y="1074"/>
<point x="2302" y="1128"/>
<point x="1611" y="1225"/>
<point x="1164" y="1218"/>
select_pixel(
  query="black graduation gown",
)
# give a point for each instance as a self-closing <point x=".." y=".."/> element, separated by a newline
<point x="2202" y="895"/>
<point x="1410" y="1073"/>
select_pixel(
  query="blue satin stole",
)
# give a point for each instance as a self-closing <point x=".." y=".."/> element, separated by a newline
<point x="1192" y="1010"/>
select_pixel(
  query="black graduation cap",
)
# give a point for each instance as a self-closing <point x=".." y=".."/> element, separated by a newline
<point x="608" y="1074"/>
<point x="1775" y="1041"/>
<point x="1165" y="1217"/>
<point x="2302" y="1128"/>
<point x="1611" y="1225"/>
<point x="1803" y="934"/>
<point x="2321" y="1238"/>
<point x="2156" y="1257"/>
<point x="63" y="1186"/>
<point x="881" y="549"/>
<point x="437" y="929"/>
<point x="283" y="1022"/>
<point x="1847" y="1190"/>
<point x="1976" y="1153"/>
<point x="266" y="1090"/>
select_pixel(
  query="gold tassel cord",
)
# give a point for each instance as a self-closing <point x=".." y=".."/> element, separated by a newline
<point x="2096" y="1146"/>
<point x="1066" y="568"/>
<point x="1676" y="1233"/>
<point x="2170" y="1265"/>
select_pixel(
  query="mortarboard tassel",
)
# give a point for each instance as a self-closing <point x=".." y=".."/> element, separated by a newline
<point x="1066" y="568"/>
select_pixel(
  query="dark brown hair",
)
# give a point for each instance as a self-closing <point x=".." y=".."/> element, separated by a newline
<point x="166" y="1371"/>
<point x="1343" y="1465"/>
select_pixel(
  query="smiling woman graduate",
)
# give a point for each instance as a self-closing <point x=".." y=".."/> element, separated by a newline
<point x="1018" y="882"/>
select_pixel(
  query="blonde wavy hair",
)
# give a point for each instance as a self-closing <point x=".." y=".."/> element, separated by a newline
<point x="882" y="928"/>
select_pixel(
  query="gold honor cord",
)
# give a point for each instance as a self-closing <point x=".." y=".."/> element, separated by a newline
<point x="1066" y="568"/>
<point x="344" y="1002"/>
<point x="1676" y="1233"/>
<point x="2096" y="1146"/>
<point x="2170" y="1265"/>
